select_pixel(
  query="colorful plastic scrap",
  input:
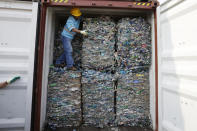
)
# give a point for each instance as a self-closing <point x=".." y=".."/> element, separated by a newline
<point x="134" y="44"/>
<point x="132" y="108"/>
<point x="98" y="47"/>
<point x="64" y="98"/>
<point x="98" y="98"/>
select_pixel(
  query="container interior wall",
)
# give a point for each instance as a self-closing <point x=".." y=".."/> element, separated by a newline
<point x="48" y="54"/>
<point x="150" y="19"/>
<point x="52" y="18"/>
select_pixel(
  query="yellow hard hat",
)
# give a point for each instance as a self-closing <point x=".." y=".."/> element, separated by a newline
<point x="75" y="12"/>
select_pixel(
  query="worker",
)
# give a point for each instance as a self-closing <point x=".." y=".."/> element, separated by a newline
<point x="3" y="84"/>
<point x="68" y="33"/>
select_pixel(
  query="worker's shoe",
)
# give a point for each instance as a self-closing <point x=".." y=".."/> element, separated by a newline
<point x="60" y="65"/>
<point x="72" y="68"/>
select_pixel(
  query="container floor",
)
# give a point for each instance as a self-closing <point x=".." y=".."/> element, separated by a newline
<point x="103" y="129"/>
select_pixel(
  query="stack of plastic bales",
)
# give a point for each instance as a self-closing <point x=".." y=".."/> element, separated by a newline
<point x="98" y="98"/>
<point x="64" y="98"/>
<point x="98" y="47"/>
<point x="134" y="59"/>
<point x="134" y="44"/>
<point x="132" y="100"/>
<point x="97" y="59"/>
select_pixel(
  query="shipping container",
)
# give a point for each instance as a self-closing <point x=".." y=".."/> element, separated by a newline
<point x="172" y="74"/>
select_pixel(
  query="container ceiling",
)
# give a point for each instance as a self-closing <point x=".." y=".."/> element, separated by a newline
<point x="62" y="11"/>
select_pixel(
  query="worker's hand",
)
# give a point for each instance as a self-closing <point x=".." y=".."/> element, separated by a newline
<point x="84" y="32"/>
<point x="3" y="84"/>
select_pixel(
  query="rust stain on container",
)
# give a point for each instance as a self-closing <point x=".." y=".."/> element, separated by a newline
<point x="39" y="70"/>
<point x="156" y="73"/>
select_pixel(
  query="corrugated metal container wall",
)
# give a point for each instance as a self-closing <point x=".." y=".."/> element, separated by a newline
<point x="17" y="43"/>
<point x="177" y="65"/>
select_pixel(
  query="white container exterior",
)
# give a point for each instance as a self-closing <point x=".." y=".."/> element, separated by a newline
<point x="17" y="44"/>
<point x="177" y="48"/>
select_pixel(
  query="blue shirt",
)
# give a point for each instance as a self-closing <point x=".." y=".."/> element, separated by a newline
<point x="70" y="24"/>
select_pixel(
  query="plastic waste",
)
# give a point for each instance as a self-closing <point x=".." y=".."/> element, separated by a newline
<point x="98" y="98"/>
<point x="98" y="46"/>
<point x="133" y="44"/>
<point x="64" y="98"/>
<point x="132" y="100"/>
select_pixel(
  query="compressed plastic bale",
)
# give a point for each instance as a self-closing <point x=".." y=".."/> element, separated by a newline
<point x="97" y="98"/>
<point x="98" y="46"/>
<point x="64" y="98"/>
<point x="132" y="100"/>
<point x="133" y="44"/>
<point x="76" y="45"/>
<point x="77" y="50"/>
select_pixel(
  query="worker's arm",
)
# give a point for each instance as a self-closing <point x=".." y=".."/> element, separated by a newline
<point x="3" y="84"/>
<point x="70" y="25"/>
<point x="72" y="28"/>
<point x="76" y="30"/>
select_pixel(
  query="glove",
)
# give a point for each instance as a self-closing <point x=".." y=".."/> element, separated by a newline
<point x="13" y="79"/>
<point x="84" y="32"/>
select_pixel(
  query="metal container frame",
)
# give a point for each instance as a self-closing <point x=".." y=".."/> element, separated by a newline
<point x="87" y="3"/>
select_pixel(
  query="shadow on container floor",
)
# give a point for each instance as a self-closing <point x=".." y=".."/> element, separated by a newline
<point x="103" y="129"/>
